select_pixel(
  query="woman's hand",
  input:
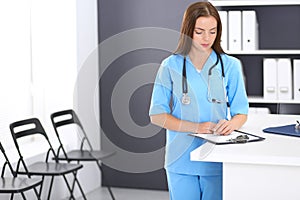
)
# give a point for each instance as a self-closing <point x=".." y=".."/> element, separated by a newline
<point x="170" y="122"/>
<point x="205" y="127"/>
<point x="225" y="127"/>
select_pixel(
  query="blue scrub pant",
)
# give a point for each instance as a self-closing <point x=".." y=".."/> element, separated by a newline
<point x="194" y="187"/>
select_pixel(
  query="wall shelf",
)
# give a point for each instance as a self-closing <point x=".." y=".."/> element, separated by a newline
<point x="256" y="99"/>
<point x="265" y="52"/>
<point x="254" y="3"/>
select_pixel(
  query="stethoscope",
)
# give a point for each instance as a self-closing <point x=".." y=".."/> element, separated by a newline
<point x="186" y="98"/>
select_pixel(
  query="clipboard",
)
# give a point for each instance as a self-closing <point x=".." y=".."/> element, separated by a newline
<point x="287" y="130"/>
<point x="229" y="139"/>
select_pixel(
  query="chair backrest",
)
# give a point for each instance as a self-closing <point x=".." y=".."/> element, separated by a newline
<point x="66" y="117"/>
<point x="25" y="128"/>
<point x="6" y="163"/>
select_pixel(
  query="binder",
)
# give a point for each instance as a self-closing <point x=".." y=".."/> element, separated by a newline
<point x="284" y="74"/>
<point x="296" y="78"/>
<point x="270" y="78"/>
<point x="224" y="36"/>
<point x="249" y="31"/>
<point x="287" y="130"/>
<point x="235" y="30"/>
<point x="236" y="137"/>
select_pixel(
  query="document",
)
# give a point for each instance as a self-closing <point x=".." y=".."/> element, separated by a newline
<point x="236" y="137"/>
<point x="296" y="76"/>
<point x="235" y="30"/>
<point x="284" y="73"/>
<point x="270" y="78"/>
<point x="224" y="37"/>
<point x="249" y="30"/>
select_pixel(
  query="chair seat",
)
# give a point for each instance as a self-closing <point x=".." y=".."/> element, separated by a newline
<point x="51" y="168"/>
<point x="18" y="184"/>
<point x="84" y="155"/>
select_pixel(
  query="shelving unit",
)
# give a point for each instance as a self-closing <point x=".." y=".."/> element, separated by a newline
<point x="254" y="3"/>
<point x="266" y="52"/>
<point x="279" y="30"/>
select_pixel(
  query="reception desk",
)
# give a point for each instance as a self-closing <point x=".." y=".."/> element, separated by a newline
<point x="264" y="170"/>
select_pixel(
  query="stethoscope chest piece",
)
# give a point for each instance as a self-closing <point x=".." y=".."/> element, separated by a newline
<point x="185" y="99"/>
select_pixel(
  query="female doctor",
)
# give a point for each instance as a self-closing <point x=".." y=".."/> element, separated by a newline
<point x="195" y="91"/>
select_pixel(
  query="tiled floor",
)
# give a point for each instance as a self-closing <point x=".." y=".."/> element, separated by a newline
<point x="128" y="194"/>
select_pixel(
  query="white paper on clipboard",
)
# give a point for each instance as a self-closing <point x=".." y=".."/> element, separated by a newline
<point x="228" y="139"/>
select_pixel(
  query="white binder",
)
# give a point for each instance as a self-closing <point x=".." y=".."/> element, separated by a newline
<point x="249" y="31"/>
<point x="270" y="78"/>
<point x="224" y="36"/>
<point x="235" y="30"/>
<point x="284" y="71"/>
<point x="296" y="71"/>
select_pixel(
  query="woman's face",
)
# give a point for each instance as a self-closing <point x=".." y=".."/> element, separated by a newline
<point x="205" y="33"/>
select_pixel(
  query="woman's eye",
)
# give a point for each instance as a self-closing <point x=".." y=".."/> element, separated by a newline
<point x="213" y="32"/>
<point x="198" y="32"/>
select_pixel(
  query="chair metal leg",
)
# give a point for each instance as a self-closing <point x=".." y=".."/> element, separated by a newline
<point x="79" y="186"/>
<point x="41" y="186"/>
<point x="50" y="188"/>
<point x="76" y="181"/>
<point x="22" y="193"/>
<point x="38" y="196"/>
<point x="69" y="188"/>
<point x="108" y="186"/>
<point x="12" y="196"/>
<point x="73" y="184"/>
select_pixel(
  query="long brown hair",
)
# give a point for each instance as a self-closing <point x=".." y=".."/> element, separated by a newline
<point x="192" y="13"/>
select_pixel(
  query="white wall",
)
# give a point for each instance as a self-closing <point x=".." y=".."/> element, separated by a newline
<point x="59" y="38"/>
<point x="87" y="103"/>
<point x="87" y="100"/>
<point x="54" y="55"/>
<point x="64" y="35"/>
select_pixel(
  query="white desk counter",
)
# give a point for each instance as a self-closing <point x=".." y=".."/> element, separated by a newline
<point x="268" y="169"/>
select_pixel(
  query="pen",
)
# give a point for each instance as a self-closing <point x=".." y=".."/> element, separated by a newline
<point x="297" y="127"/>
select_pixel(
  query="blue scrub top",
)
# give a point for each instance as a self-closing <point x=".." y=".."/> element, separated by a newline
<point x="166" y="98"/>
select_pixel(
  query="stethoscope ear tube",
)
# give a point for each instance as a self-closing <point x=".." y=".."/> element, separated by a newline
<point x="185" y="99"/>
<point x="184" y="81"/>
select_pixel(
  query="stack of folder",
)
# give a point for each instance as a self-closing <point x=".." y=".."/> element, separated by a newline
<point x="240" y="30"/>
<point x="281" y="76"/>
<point x="280" y="79"/>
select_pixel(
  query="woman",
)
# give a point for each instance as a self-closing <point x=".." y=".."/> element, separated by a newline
<point x="192" y="94"/>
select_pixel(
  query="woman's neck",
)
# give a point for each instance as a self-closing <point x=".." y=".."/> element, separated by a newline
<point x="199" y="58"/>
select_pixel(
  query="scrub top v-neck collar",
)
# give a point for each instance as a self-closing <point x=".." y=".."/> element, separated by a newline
<point x="208" y="63"/>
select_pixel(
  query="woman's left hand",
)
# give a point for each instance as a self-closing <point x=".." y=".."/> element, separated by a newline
<point x="225" y="127"/>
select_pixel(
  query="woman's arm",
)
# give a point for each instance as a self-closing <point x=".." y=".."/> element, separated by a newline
<point x="170" y="122"/>
<point x="225" y="127"/>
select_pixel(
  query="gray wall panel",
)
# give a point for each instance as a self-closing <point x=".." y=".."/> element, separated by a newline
<point x="115" y="17"/>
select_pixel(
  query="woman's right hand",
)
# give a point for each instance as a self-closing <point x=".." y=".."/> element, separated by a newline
<point x="170" y="122"/>
<point x="205" y="127"/>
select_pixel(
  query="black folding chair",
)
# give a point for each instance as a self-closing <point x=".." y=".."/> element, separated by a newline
<point x="45" y="168"/>
<point x="67" y="117"/>
<point x="13" y="185"/>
